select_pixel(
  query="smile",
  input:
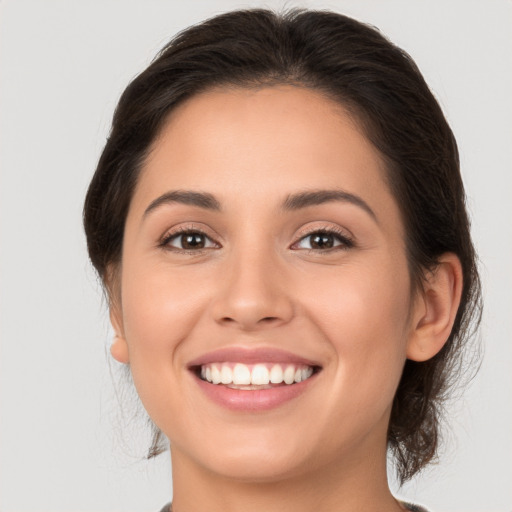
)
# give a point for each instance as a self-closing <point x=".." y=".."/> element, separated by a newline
<point x="253" y="379"/>
<point x="255" y="376"/>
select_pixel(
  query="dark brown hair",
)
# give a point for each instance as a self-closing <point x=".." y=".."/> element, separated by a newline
<point x="380" y="85"/>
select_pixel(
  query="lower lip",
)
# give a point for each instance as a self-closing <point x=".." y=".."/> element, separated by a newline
<point x="253" y="400"/>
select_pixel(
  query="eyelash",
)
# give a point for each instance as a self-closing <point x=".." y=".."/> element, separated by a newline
<point x="164" y="243"/>
<point x="346" y="241"/>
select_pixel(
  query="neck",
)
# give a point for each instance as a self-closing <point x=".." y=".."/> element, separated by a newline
<point x="348" y="487"/>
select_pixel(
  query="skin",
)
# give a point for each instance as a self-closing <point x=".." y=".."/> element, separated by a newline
<point x="258" y="283"/>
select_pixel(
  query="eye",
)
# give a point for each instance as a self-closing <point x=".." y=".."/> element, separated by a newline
<point x="188" y="240"/>
<point x="324" y="240"/>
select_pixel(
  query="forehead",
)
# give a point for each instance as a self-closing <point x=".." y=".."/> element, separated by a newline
<point x="241" y="144"/>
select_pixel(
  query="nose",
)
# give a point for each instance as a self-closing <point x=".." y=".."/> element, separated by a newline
<point x="253" y="294"/>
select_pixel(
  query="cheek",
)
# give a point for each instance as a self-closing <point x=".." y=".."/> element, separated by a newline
<point x="160" y="309"/>
<point x="363" y="316"/>
<point x="357" y="300"/>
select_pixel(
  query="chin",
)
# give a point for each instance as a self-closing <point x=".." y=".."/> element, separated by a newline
<point x="249" y="457"/>
<point x="258" y="467"/>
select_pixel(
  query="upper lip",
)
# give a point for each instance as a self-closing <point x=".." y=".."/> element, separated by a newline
<point x="251" y="356"/>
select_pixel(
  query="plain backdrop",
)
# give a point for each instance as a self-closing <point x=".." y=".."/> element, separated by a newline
<point x="64" y="444"/>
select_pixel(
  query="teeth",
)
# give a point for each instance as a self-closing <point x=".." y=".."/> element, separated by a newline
<point x="307" y="372"/>
<point x="276" y="374"/>
<point x="262" y="374"/>
<point x="241" y="375"/>
<point x="216" y="376"/>
<point x="226" y="375"/>
<point x="289" y="375"/>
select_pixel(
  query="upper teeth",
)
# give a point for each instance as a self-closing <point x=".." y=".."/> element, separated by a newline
<point x="259" y="374"/>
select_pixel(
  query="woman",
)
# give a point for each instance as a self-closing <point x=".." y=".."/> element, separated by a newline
<point x="278" y="218"/>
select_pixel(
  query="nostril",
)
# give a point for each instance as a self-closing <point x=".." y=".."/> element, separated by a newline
<point x="265" y="320"/>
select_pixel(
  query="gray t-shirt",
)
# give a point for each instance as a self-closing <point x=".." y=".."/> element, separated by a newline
<point x="408" y="506"/>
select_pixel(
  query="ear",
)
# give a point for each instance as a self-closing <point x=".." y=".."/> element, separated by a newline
<point x="119" y="347"/>
<point x="435" y="309"/>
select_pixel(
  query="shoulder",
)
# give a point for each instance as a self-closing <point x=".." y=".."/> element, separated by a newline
<point x="408" y="506"/>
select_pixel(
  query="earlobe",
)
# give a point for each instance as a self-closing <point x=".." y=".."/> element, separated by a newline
<point x="436" y="309"/>
<point x="119" y="347"/>
<point x="119" y="350"/>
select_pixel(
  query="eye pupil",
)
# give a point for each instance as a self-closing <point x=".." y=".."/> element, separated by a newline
<point x="193" y="241"/>
<point x="322" y="241"/>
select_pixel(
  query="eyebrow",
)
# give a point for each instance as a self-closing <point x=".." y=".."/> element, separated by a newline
<point x="190" y="197"/>
<point x="292" y="202"/>
<point x="317" y="197"/>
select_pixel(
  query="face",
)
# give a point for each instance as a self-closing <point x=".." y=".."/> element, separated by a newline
<point x="264" y="291"/>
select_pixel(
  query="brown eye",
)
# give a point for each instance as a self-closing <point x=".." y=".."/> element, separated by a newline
<point x="189" y="241"/>
<point x="193" y="241"/>
<point x="324" y="240"/>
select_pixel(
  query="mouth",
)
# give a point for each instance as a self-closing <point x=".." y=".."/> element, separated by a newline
<point x="253" y="379"/>
<point x="250" y="377"/>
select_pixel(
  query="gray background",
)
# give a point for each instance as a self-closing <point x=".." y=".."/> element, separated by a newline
<point x="63" y="65"/>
